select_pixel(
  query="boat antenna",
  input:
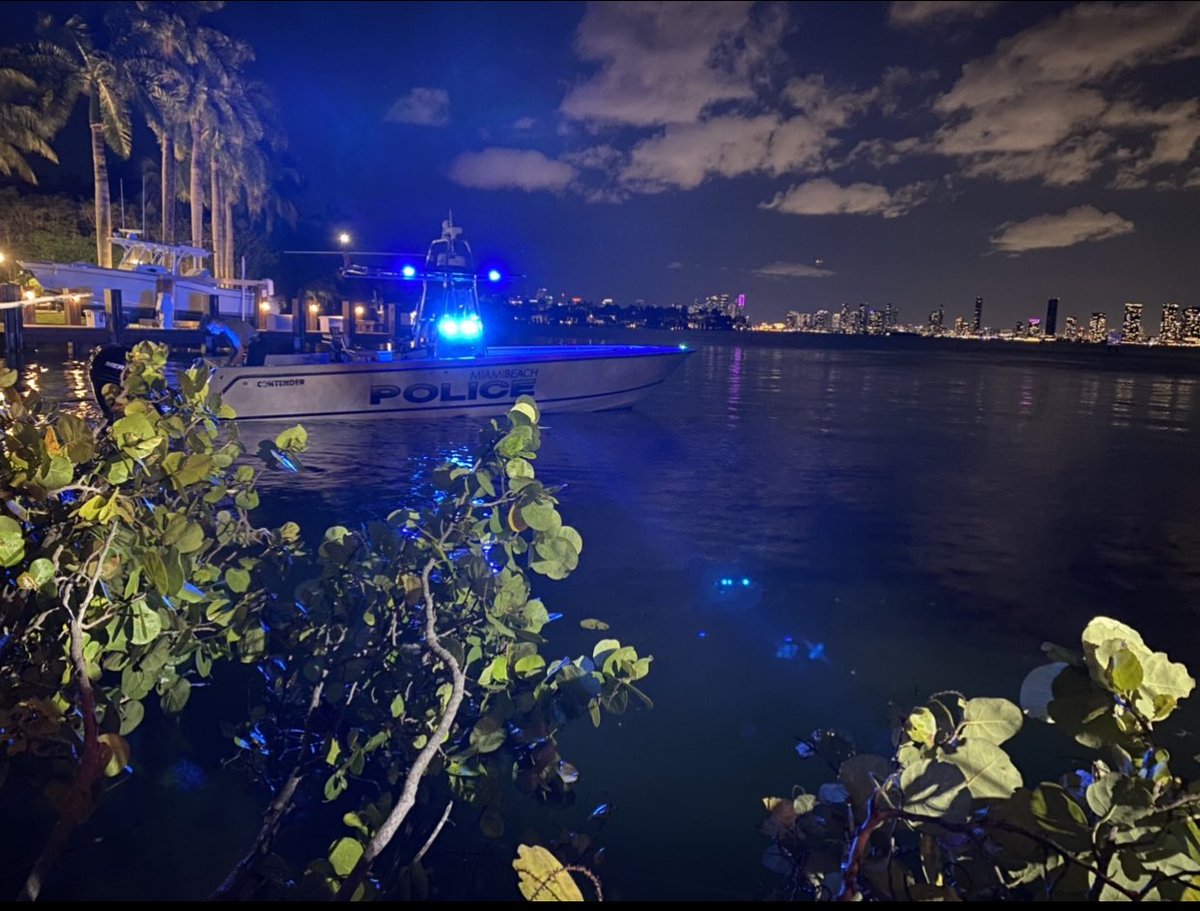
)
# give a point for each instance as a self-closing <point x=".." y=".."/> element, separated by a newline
<point x="143" y="203"/>
<point x="122" y="203"/>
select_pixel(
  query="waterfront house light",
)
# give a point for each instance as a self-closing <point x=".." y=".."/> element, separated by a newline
<point x="2" y="257"/>
<point x="359" y="310"/>
<point x="313" y="308"/>
<point x="30" y="295"/>
<point x="264" y="307"/>
<point x="344" y="238"/>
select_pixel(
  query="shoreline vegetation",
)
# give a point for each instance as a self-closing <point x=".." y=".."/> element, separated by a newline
<point x="400" y="673"/>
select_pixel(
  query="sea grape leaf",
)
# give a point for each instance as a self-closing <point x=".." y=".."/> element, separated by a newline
<point x="541" y="878"/>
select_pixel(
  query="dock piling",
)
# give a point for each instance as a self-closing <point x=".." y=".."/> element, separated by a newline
<point x="116" y="314"/>
<point x="14" y="327"/>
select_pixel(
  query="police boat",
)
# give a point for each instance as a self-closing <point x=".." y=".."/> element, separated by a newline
<point x="445" y="367"/>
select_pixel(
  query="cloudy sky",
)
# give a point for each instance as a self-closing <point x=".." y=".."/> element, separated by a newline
<point x="918" y="153"/>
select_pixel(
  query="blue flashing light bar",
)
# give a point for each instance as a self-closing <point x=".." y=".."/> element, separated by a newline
<point x="408" y="272"/>
<point x="469" y="327"/>
<point x="493" y="275"/>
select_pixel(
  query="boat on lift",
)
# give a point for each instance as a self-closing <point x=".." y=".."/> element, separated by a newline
<point x="445" y="367"/>
<point x="146" y="272"/>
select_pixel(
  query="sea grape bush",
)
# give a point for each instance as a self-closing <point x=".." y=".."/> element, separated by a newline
<point x="949" y="816"/>
<point x="129" y="569"/>
<point x="418" y="649"/>
<point x="405" y="668"/>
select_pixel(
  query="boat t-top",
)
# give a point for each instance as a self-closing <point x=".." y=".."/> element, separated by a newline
<point x="445" y="366"/>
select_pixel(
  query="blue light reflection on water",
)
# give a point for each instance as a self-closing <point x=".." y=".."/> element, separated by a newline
<point x="908" y="521"/>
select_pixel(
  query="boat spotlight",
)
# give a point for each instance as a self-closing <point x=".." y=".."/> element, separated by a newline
<point x="448" y="327"/>
<point x="408" y="272"/>
<point x="493" y="275"/>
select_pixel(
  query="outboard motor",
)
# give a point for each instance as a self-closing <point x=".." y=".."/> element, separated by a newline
<point x="106" y="366"/>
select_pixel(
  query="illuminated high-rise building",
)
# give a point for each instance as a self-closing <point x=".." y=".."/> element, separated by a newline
<point x="977" y="324"/>
<point x="1098" y="327"/>
<point x="1131" y="327"/>
<point x="821" y="321"/>
<point x="937" y="321"/>
<point x="1171" y="330"/>
<point x="1071" y="330"/>
<point x="889" y="317"/>
<point x="1191" y="324"/>
<point x="792" y="321"/>
<point x="1050" y="327"/>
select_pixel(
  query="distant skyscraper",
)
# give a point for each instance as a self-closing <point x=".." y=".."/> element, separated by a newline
<point x="1051" y="324"/>
<point x="1171" y="330"/>
<point x="1071" y="331"/>
<point x="821" y="320"/>
<point x="1191" y="323"/>
<point x="1131" y="327"/>
<point x="937" y="321"/>
<point x="889" y="317"/>
<point x="1098" y="328"/>
<point x="792" y="321"/>
<point x="977" y="325"/>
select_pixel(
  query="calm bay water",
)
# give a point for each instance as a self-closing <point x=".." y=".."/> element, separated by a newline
<point x="894" y="522"/>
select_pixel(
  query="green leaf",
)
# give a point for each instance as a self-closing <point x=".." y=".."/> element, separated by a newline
<point x="12" y="542"/>
<point x="397" y="706"/>
<point x="41" y="571"/>
<point x="518" y="468"/>
<point x="933" y="788"/>
<point x="995" y="720"/>
<point x="988" y="770"/>
<point x="1164" y="683"/>
<point x="529" y="666"/>
<point x="525" y="407"/>
<point x="238" y="580"/>
<point x="131" y="714"/>
<point x="8" y="378"/>
<point x="1125" y="671"/>
<point x="541" y="878"/>
<point x="572" y="537"/>
<point x="55" y="473"/>
<point x="921" y="726"/>
<point x="541" y="516"/>
<point x="1061" y="817"/>
<point x="118" y="753"/>
<point x="175" y="698"/>
<point x="294" y="439"/>
<point x="146" y="624"/>
<point x="591" y="623"/>
<point x="488" y="734"/>
<point x="345" y="855"/>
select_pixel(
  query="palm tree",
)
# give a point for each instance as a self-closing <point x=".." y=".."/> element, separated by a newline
<point x="80" y="69"/>
<point x="169" y="46"/>
<point x="25" y="127"/>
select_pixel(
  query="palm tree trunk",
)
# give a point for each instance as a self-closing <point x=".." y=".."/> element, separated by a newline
<point x="103" y="203"/>
<point x="168" y="189"/>
<point x="230" y="266"/>
<point x="214" y="206"/>
<point x="196" y="189"/>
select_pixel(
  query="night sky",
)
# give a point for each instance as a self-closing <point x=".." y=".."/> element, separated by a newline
<point x="806" y="155"/>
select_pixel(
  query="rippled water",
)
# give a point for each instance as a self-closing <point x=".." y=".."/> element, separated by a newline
<point x="891" y="523"/>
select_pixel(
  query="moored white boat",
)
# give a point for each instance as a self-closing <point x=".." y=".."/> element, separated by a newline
<point x="148" y="270"/>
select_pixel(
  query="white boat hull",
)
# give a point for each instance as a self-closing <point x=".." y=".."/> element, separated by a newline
<point x="567" y="378"/>
<point x="139" y="290"/>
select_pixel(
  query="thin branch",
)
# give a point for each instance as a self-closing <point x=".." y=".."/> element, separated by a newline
<point x="412" y="781"/>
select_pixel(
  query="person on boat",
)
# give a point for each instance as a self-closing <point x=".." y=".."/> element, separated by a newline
<point x="249" y="349"/>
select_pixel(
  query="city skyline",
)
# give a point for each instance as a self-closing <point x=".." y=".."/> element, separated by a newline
<point x="913" y="152"/>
